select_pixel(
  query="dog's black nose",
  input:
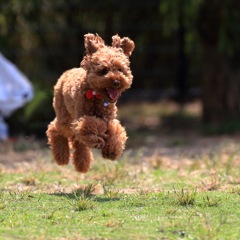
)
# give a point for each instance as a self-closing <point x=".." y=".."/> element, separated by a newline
<point x="116" y="83"/>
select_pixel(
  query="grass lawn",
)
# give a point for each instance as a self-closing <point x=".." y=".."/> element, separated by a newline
<point x="137" y="197"/>
<point x="176" y="187"/>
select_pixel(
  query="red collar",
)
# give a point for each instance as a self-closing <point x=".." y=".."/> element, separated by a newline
<point x="91" y="94"/>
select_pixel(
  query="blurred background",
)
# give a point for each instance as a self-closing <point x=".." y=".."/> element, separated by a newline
<point x="186" y="63"/>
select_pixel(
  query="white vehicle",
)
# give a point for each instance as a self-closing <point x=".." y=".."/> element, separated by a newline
<point x="15" y="91"/>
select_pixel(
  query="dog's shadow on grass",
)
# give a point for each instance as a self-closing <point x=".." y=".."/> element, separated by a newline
<point x="94" y="197"/>
<point x="106" y="199"/>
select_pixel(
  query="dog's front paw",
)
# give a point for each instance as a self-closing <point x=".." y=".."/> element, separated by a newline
<point x="109" y="155"/>
<point x="93" y="141"/>
<point x="112" y="152"/>
<point x="99" y="143"/>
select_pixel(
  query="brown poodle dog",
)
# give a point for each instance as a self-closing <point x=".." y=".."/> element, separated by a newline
<point x="84" y="103"/>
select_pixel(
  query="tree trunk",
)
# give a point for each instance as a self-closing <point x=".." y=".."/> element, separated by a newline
<point x="221" y="77"/>
<point x="182" y="67"/>
<point x="221" y="88"/>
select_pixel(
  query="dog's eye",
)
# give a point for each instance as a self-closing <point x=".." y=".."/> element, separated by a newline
<point x="104" y="71"/>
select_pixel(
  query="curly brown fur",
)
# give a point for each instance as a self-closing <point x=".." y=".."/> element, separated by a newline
<point x="83" y="123"/>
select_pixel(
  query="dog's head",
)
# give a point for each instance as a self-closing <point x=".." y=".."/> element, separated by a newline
<point x="108" y="71"/>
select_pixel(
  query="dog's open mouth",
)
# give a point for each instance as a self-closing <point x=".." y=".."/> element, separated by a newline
<point x="113" y="93"/>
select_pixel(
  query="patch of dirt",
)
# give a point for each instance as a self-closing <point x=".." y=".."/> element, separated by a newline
<point x="164" y="129"/>
<point x="175" y="147"/>
<point x="191" y="145"/>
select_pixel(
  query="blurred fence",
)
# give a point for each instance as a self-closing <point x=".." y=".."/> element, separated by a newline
<point x="44" y="38"/>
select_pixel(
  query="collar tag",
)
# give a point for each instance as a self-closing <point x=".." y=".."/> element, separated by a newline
<point x="105" y="102"/>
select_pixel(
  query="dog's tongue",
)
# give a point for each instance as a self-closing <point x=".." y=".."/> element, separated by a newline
<point x="113" y="93"/>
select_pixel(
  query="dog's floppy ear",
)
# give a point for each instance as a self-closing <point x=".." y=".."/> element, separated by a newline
<point x="92" y="43"/>
<point x="125" y="43"/>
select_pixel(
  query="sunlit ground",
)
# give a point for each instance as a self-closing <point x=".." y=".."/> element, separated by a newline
<point x="160" y="129"/>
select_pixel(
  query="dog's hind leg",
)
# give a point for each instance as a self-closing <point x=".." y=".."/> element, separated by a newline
<point x="115" y="142"/>
<point x="59" y="144"/>
<point x="82" y="157"/>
